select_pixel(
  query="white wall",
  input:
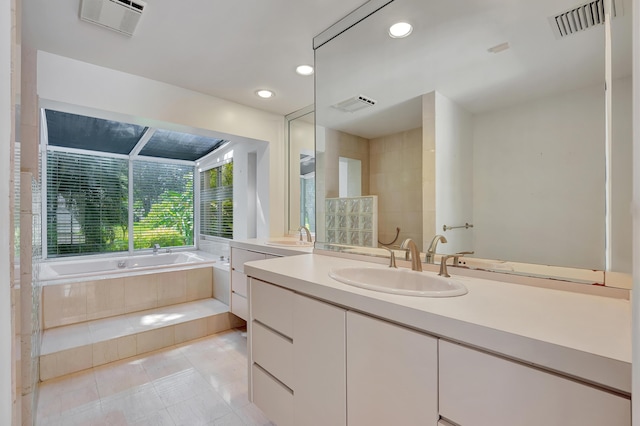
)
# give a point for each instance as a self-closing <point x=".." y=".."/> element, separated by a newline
<point x="538" y="170"/>
<point x="6" y="101"/>
<point x="621" y="175"/>
<point x="72" y="82"/>
<point x="454" y="174"/>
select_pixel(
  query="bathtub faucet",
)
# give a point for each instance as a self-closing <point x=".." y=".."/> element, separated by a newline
<point x="156" y="247"/>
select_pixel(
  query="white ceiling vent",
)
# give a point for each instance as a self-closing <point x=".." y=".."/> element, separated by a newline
<point x="585" y="16"/>
<point x="354" y="104"/>
<point x="118" y="15"/>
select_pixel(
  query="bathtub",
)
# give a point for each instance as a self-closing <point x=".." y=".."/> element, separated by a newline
<point x="67" y="270"/>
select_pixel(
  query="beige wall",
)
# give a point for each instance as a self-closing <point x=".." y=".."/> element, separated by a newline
<point x="396" y="178"/>
<point x="391" y="169"/>
<point x="339" y="144"/>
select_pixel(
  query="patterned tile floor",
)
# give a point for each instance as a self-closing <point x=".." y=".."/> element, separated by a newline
<point x="202" y="382"/>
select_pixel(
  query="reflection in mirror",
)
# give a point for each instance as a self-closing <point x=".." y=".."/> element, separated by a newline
<point x="483" y="115"/>
<point x="302" y="166"/>
<point x="349" y="177"/>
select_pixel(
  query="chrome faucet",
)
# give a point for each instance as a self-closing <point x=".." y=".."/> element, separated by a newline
<point x="307" y="231"/>
<point x="416" y="263"/>
<point x="431" y="252"/>
<point x="156" y="247"/>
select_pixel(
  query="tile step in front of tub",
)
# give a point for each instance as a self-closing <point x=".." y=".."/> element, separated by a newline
<point x="77" y="347"/>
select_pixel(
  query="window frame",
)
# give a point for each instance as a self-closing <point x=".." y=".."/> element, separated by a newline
<point x="45" y="148"/>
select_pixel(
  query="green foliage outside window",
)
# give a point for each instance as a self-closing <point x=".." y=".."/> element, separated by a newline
<point x="88" y="204"/>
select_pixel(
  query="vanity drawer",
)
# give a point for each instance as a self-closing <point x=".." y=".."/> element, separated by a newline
<point x="272" y="306"/>
<point x="477" y="388"/>
<point x="239" y="306"/>
<point x="239" y="257"/>
<point x="273" y="352"/>
<point x="273" y="398"/>
<point x="239" y="283"/>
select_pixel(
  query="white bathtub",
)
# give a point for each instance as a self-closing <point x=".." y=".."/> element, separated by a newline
<point x="71" y="269"/>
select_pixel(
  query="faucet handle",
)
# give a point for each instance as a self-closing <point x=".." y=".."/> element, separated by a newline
<point x="459" y="255"/>
<point x="392" y="257"/>
<point x="443" y="265"/>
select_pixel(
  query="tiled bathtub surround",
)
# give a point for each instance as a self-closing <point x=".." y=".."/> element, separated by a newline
<point x="71" y="303"/>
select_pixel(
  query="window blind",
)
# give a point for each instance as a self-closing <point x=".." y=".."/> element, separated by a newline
<point x="162" y="204"/>
<point x="216" y="201"/>
<point x="87" y="204"/>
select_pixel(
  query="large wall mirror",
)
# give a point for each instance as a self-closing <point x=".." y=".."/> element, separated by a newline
<point x="490" y="114"/>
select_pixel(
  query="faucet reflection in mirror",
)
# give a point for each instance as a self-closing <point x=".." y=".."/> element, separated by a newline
<point x="431" y="251"/>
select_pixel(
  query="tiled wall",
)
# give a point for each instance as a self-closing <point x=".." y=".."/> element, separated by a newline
<point x="65" y="304"/>
<point x="215" y="247"/>
<point x="396" y="178"/>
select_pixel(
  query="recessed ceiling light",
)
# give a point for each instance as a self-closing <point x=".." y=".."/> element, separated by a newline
<point x="400" y="30"/>
<point x="304" y="69"/>
<point x="265" y="94"/>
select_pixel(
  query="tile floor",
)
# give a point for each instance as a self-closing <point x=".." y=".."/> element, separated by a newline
<point x="202" y="382"/>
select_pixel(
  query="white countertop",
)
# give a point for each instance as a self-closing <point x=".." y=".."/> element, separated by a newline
<point x="263" y="246"/>
<point x="579" y="335"/>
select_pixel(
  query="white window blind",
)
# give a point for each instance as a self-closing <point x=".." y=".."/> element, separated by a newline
<point x="216" y="201"/>
<point x="87" y="204"/>
<point x="162" y="204"/>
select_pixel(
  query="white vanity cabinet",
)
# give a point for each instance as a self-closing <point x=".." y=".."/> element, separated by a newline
<point x="392" y="374"/>
<point x="297" y="356"/>
<point x="319" y="363"/>
<point x="239" y="306"/>
<point x="271" y="351"/>
<point x="480" y="389"/>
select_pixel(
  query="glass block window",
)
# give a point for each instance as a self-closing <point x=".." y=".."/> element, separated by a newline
<point x="216" y="201"/>
<point x="162" y="204"/>
<point x="87" y="204"/>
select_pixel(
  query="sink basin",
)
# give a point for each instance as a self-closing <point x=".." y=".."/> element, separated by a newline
<point x="288" y="243"/>
<point x="399" y="281"/>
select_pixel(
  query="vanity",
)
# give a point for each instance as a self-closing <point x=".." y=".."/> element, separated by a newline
<point x="256" y="249"/>
<point x="465" y="130"/>
<point x="326" y="353"/>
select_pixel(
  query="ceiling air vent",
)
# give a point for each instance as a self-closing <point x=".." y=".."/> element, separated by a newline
<point x="117" y="15"/>
<point x="580" y="18"/>
<point x="354" y="104"/>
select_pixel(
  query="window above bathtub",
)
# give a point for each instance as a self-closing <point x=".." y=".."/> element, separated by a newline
<point x="111" y="187"/>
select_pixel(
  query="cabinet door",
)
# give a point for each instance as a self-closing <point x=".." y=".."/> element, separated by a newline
<point x="319" y="363"/>
<point x="392" y="374"/>
<point x="484" y="390"/>
<point x="240" y="256"/>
